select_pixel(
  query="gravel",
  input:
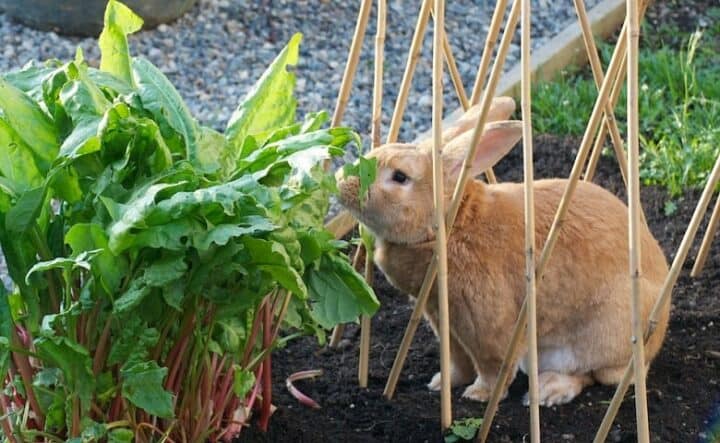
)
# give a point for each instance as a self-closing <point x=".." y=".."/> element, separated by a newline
<point x="215" y="52"/>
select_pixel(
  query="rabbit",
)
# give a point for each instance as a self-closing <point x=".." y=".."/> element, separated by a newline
<point x="583" y="298"/>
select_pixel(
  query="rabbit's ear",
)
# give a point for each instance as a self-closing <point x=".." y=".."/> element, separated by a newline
<point x="501" y="108"/>
<point x="496" y="141"/>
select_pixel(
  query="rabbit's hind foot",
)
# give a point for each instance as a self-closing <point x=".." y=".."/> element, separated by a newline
<point x="558" y="389"/>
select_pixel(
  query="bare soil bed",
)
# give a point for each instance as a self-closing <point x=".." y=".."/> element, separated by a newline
<point x="683" y="382"/>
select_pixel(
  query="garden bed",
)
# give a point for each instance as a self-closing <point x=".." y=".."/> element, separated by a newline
<point x="683" y="382"/>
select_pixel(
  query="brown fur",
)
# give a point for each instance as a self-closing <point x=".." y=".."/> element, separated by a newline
<point x="583" y="297"/>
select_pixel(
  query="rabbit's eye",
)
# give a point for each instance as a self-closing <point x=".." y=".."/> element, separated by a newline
<point x="399" y="176"/>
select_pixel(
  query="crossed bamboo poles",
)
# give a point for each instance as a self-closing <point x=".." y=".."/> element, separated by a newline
<point x="601" y="123"/>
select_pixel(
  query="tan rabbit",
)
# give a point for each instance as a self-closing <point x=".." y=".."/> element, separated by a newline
<point x="584" y="307"/>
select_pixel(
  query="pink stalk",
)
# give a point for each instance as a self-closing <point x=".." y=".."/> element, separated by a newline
<point x="295" y="392"/>
<point x="26" y="373"/>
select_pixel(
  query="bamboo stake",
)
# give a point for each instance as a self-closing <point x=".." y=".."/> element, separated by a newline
<point x="503" y="374"/>
<point x="597" y="149"/>
<point x="413" y="57"/>
<point x="422" y="296"/>
<point x="439" y="228"/>
<point x="526" y="89"/>
<point x="352" y="62"/>
<point x="633" y="123"/>
<point x="595" y="152"/>
<point x="664" y="296"/>
<point x="490" y="40"/>
<point x="582" y="154"/>
<point x="365" y="330"/>
<point x="609" y="122"/>
<point x="707" y="240"/>
<point x="364" y="358"/>
<point x="455" y="73"/>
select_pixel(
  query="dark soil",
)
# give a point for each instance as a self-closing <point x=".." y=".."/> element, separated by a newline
<point x="683" y="383"/>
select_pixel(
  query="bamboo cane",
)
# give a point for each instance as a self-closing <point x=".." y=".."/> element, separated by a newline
<point x="707" y="240"/>
<point x="582" y="154"/>
<point x="412" y="60"/>
<point x="439" y="228"/>
<point x="595" y="152"/>
<point x="490" y="40"/>
<point x="455" y="73"/>
<point x="533" y="391"/>
<point x="633" y="123"/>
<point x="664" y="297"/>
<point x="597" y="149"/>
<point x="610" y="123"/>
<point x="422" y="296"/>
<point x="364" y="358"/>
<point x="352" y="62"/>
<point x="613" y="71"/>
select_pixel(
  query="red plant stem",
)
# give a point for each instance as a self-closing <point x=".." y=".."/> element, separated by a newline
<point x="176" y="363"/>
<point x="26" y="374"/>
<point x="115" y="408"/>
<point x="250" y="344"/>
<point x="185" y="330"/>
<point x="267" y="367"/>
<point x="75" y="430"/>
<point x="100" y="351"/>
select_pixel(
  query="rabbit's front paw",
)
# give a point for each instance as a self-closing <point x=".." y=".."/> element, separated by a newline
<point x="435" y="383"/>
<point x="480" y="391"/>
<point x="558" y="389"/>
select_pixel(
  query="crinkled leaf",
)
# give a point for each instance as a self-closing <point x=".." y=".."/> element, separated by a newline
<point x="339" y="294"/>
<point x="243" y="381"/>
<point x="270" y="103"/>
<point x="29" y="78"/>
<point x="142" y="385"/>
<point x="161" y="273"/>
<point x="31" y="124"/>
<point x="161" y="98"/>
<point x="67" y="264"/>
<point x="132" y="343"/>
<point x="115" y="53"/>
<point x="109" y="269"/>
<point x="272" y="258"/>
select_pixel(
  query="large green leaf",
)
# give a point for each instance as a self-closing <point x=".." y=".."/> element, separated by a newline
<point x="115" y="53"/>
<point x="161" y="98"/>
<point x="110" y="270"/>
<point x="158" y="275"/>
<point x="23" y="215"/>
<point x="339" y="294"/>
<point x="270" y="103"/>
<point x="272" y="258"/>
<point x="17" y="162"/>
<point x="31" y="124"/>
<point x="142" y="386"/>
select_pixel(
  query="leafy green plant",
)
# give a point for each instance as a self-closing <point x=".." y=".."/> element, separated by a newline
<point x="463" y="430"/>
<point x="679" y="110"/>
<point x="154" y="259"/>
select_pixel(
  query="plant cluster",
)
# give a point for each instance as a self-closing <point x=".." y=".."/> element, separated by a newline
<point x="154" y="259"/>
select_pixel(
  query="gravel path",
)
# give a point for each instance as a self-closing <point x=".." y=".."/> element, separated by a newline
<point x="215" y="52"/>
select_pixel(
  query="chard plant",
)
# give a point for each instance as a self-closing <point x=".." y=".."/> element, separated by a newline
<point x="155" y="261"/>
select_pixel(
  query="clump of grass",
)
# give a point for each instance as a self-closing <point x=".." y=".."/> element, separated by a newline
<point x="679" y="110"/>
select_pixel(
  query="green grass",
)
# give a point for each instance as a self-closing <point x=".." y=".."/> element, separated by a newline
<point x="679" y="105"/>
